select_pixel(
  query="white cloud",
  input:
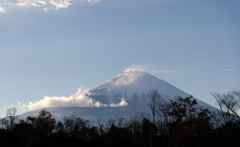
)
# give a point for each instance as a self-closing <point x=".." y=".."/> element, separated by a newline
<point x="42" y="2"/>
<point x="136" y="67"/>
<point x="79" y="99"/>
<point x="45" y="9"/>
<point x="2" y="10"/>
<point x="45" y="5"/>
<point x="60" y="3"/>
<point x="27" y="3"/>
<point x="122" y="103"/>
<point x="93" y="1"/>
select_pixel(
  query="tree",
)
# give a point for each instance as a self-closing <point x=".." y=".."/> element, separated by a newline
<point x="44" y="122"/>
<point x="11" y="115"/>
<point x="155" y="100"/>
<point x="182" y="121"/>
<point x="100" y="124"/>
<point x="4" y="122"/>
<point x="163" y="118"/>
<point x="76" y="127"/>
<point x="229" y="104"/>
<point x="23" y="131"/>
<point x="183" y="109"/>
<point x="229" y="119"/>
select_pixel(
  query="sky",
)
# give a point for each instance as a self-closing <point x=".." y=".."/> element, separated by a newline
<point x="51" y="48"/>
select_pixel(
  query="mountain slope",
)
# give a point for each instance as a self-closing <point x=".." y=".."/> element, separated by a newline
<point x="132" y="86"/>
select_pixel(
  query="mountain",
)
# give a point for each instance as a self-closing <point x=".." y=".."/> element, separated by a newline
<point x="121" y="96"/>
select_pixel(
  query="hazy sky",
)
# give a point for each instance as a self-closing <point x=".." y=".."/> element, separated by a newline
<point x="53" y="47"/>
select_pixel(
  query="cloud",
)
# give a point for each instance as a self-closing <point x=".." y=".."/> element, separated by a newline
<point x="93" y="1"/>
<point x="231" y="69"/>
<point x="2" y="10"/>
<point x="45" y="5"/>
<point x="122" y="103"/>
<point x="60" y="4"/>
<point x="136" y="67"/>
<point x="186" y="55"/>
<point x="164" y="71"/>
<point x="79" y="99"/>
<point x="42" y="2"/>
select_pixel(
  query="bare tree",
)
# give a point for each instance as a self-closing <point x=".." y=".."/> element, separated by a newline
<point x="120" y="122"/>
<point x="134" y="123"/>
<point x="4" y="122"/>
<point x="229" y="104"/>
<point x="11" y="114"/>
<point x="75" y="126"/>
<point x="154" y="102"/>
<point x="109" y="122"/>
<point x="100" y="124"/>
<point x="163" y="118"/>
<point x="104" y="125"/>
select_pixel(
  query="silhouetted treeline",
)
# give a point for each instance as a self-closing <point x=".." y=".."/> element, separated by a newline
<point x="178" y="123"/>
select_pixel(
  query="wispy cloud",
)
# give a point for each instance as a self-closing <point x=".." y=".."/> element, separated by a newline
<point x="93" y="1"/>
<point x="79" y="99"/>
<point x="136" y="67"/>
<point x="231" y="69"/>
<point x="164" y="71"/>
<point x="45" y="5"/>
<point x="186" y="55"/>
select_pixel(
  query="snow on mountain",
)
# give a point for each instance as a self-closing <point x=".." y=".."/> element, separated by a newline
<point x="134" y="86"/>
<point x="130" y="86"/>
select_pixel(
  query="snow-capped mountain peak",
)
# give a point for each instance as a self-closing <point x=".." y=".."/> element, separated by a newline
<point x="132" y="86"/>
<point x="124" y="94"/>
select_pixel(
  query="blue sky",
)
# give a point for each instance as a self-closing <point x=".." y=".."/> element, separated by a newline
<point x="53" y="47"/>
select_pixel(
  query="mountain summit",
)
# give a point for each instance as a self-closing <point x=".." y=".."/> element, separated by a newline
<point x="129" y="89"/>
<point x="133" y="86"/>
